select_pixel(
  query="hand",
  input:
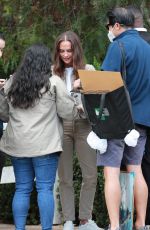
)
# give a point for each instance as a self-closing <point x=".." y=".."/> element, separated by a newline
<point x="77" y="84"/>
<point x="2" y="82"/>
<point x="80" y="108"/>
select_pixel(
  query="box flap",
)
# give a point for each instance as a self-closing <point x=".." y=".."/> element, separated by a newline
<point x="99" y="81"/>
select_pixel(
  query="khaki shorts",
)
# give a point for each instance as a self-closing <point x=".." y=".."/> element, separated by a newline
<point x="118" y="152"/>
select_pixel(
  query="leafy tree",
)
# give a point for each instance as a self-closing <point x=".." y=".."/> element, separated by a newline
<point x="30" y="21"/>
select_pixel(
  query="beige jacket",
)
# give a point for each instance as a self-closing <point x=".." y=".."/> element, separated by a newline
<point x="87" y="67"/>
<point x="77" y="95"/>
<point x="37" y="131"/>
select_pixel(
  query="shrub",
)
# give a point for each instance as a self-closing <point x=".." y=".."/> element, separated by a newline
<point x="99" y="209"/>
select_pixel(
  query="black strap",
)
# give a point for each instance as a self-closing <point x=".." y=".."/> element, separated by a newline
<point x="102" y="103"/>
<point x="123" y="61"/>
<point x="124" y="74"/>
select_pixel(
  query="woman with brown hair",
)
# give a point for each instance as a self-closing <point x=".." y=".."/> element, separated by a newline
<point x="68" y="58"/>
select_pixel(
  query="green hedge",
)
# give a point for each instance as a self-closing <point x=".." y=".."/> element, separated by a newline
<point x="99" y="210"/>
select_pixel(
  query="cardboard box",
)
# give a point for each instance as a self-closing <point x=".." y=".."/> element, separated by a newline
<point x="99" y="81"/>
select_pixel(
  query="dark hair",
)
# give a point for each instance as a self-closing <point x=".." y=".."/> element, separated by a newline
<point x="78" y="60"/>
<point x="138" y="15"/>
<point x="2" y="36"/>
<point x="31" y="76"/>
<point x="120" y="15"/>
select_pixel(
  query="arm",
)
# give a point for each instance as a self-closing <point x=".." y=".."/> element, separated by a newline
<point x="77" y="83"/>
<point x="89" y="67"/>
<point x="112" y="61"/>
<point x="66" y="108"/>
<point x="2" y="83"/>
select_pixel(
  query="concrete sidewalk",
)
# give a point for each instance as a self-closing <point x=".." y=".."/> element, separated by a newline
<point x="11" y="227"/>
<point x="29" y="227"/>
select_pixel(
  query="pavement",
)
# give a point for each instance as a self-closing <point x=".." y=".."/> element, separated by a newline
<point x="29" y="227"/>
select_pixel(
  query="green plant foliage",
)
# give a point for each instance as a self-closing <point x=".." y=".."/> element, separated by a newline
<point x="6" y="195"/>
<point x="30" y="21"/>
<point x="100" y="211"/>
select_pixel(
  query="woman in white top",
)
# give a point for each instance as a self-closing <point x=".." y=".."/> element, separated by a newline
<point x="68" y="58"/>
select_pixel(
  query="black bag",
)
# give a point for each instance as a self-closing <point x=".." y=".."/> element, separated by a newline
<point x="110" y="113"/>
<point x="4" y="107"/>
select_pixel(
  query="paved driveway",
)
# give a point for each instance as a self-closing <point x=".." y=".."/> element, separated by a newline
<point x="37" y="227"/>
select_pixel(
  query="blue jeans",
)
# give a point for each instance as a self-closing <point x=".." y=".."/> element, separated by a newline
<point x="42" y="168"/>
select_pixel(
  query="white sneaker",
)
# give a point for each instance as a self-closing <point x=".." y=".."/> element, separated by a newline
<point x="68" y="225"/>
<point x="90" y="225"/>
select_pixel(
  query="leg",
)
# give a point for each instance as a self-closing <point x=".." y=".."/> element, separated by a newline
<point x="87" y="161"/>
<point x="140" y="194"/>
<point x="24" y="175"/>
<point x="112" y="194"/>
<point x="65" y="173"/>
<point x="2" y="162"/>
<point x="146" y="174"/>
<point x="133" y="159"/>
<point x="45" y="168"/>
<point x="111" y="160"/>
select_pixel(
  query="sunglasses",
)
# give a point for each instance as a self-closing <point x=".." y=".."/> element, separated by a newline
<point x="107" y="26"/>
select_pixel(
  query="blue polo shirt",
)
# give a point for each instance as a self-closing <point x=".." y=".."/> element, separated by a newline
<point x="137" y="58"/>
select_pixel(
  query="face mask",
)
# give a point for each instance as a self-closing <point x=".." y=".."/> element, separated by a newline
<point x="111" y="36"/>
